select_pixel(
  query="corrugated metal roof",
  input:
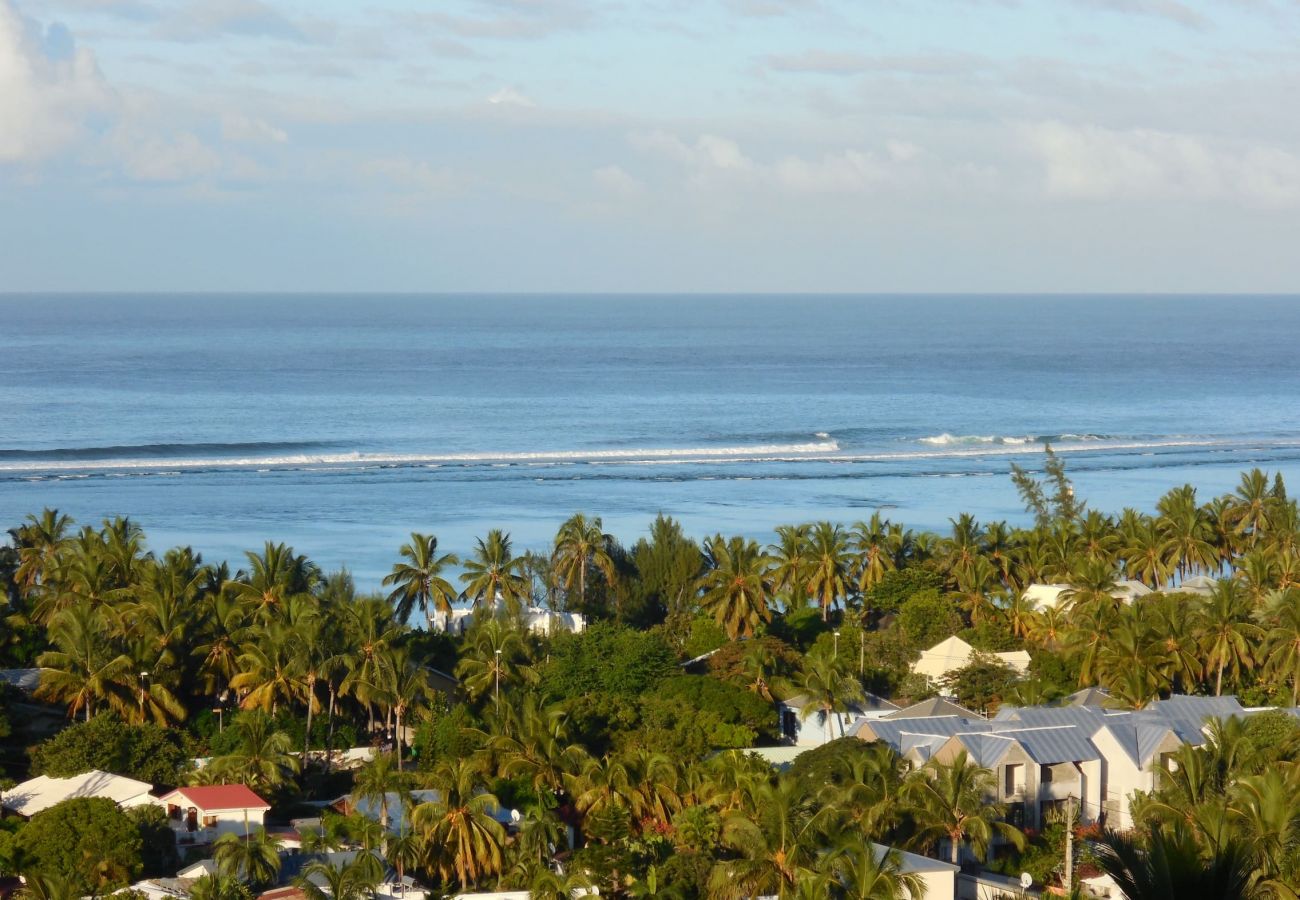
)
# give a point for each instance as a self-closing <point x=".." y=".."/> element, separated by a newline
<point x="1056" y="744"/>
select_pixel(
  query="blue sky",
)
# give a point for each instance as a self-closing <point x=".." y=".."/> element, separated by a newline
<point x="665" y="145"/>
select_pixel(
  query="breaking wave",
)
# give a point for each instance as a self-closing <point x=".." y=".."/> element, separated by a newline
<point x="951" y="440"/>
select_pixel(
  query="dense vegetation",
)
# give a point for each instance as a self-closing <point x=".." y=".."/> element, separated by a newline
<point x="602" y="742"/>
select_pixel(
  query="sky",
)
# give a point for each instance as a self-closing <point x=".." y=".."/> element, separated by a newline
<point x="661" y="145"/>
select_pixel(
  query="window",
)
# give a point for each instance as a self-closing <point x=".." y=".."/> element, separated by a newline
<point x="1015" y="782"/>
<point x="1046" y="776"/>
<point x="209" y="821"/>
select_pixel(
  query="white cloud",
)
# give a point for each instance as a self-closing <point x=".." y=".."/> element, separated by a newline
<point x="509" y="96"/>
<point x="614" y="180"/>
<point x="178" y="158"/>
<point x="410" y="175"/>
<point x="242" y="128"/>
<point x="1092" y="161"/>
<point x="50" y="89"/>
<point x="717" y="161"/>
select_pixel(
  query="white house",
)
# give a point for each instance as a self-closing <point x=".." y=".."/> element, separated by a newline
<point x="536" y="619"/>
<point x="42" y="792"/>
<point x="812" y="728"/>
<point x="938" y="879"/>
<point x="1047" y="596"/>
<point x="203" y="813"/>
<point x="953" y="653"/>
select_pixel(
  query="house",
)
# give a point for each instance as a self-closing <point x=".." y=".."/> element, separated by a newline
<point x="535" y="618"/>
<point x="952" y="654"/>
<point x="938" y="879"/>
<point x="934" y="706"/>
<point x="202" y="813"/>
<point x="42" y="792"/>
<point x="1048" y="596"/>
<point x="813" y="728"/>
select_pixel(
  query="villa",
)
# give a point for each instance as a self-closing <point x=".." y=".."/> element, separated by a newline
<point x="202" y="813"/>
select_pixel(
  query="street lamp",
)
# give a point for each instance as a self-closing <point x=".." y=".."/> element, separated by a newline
<point x="837" y="645"/>
<point x="143" y="677"/>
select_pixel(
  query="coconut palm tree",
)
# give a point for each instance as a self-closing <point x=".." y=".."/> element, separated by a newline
<point x="865" y="874"/>
<point x="376" y="783"/>
<point x="254" y="858"/>
<point x="1226" y="633"/>
<point x="270" y="668"/>
<point x="419" y="581"/>
<point x="875" y="551"/>
<point x="827" y="689"/>
<point x="39" y="542"/>
<point x="322" y="881"/>
<point x="275" y="575"/>
<point x="1281" y="648"/>
<point x="262" y="759"/>
<point x="495" y="656"/>
<point x="493" y="573"/>
<point x="737" y="585"/>
<point x="218" y="887"/>
<point x="462" y="840"/>
<point x="405" y="684"/>
<point x="580" y="544"/>
<point x="84" y="670"/>
<point x="950" y="801"/>
<point x="777" y="841"/>
<point x="790" y="561"/>
<point x="829" y="563"/>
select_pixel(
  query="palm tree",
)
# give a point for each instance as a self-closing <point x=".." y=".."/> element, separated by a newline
<point x="950" y="801"/>
<point x="262" y="758"/>
<point x="223" y="620"/>
<point x="376" y="783"/>
<point x="493" y="573"/>
<point x="789" y="557"/>
<point x="461" y="837"/>
<point x="777" y="841"/>
<point x="84" y="670"/>
<point x="871" y="541"/>
<point x="1170" y="864"/>
<point x="828" y="690"/>
<point x="737" y="586"/>
<point x="493" y="657"/>
<point x="39" y="543"/>
<point x="275" y="575"/>
<point x="1144" y="554"/>
<point x="48" y="886"/>
<point x="323" y="881"/>
<point x="1249" y="512"/>
<point x="581" y="543"/>
<point x="1226" y="633"/>
<point x="218" y="887"/>
<point x="405" y="685"/>
<point x="270" y="668"/>
<point x="419" y="581"/>
<point x="1282" y="640"/>
<point x="865" y="874"/>
<point x="829" y="562"/>
<point x="254" y="857"/>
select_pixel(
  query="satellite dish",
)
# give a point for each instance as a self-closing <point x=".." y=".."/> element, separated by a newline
<point x="1026" y="879"/>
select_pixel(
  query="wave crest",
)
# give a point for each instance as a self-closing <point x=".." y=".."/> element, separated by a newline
<point x="950" y="440"/>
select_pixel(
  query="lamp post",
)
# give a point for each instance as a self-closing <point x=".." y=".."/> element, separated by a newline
<point x="143" y="677"/>
<point x="862" y="651"/>
<point x="837" y="645"/>
<point x="221" y="719"/>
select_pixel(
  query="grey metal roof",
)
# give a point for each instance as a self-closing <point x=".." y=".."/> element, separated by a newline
<point x="985" y="749"/>
<point x="1055" y="744"/>
<point x="895" y="731"/>
<point x="26" y="680"/>
<point x="935" y="706"/>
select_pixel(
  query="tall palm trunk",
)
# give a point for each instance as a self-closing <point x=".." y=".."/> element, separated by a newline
<point x="329" y="741"/>
<point x="1218" y="681"/>
<point x="397" y="738"/>
<point x="311" y="702"/>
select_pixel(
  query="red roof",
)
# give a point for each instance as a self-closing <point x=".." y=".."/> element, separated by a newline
<point x="213" y="797"/>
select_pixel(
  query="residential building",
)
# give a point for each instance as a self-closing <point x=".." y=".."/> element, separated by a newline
<point x="952" y="654"/>
<point x="42" y="792"/>
<point x="813" y="728"/>
<point x="203" y="813"/>
<point x="1045" y="596"/>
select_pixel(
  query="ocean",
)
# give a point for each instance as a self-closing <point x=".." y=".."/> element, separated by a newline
<point x="339" y="424"/>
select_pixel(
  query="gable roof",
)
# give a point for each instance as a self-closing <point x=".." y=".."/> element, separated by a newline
<point x="218" y="797"/>
<point x="42" y="792"/>
<point x="935" y="706"/>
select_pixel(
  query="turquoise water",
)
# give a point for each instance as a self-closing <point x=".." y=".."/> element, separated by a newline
<point x="341" y="423"/>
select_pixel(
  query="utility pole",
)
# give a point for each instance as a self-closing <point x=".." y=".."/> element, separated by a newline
<point x="1067" y="879"/>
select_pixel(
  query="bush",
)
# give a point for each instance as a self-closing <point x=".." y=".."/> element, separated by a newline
<point x="87" y="840"/>
<point x="148" y="752"/>
<point x="927" y="618"/>
<point x="688" y="874"/>
<point x="982" y="683"/>
<point x="729" y="662"/>
<point x="899" y="586"/>
<point x="800" y="627"/>
<point x="705" y="635"/>
<point x="157" y="841"/>
<point x="445" y="734"/>
<point x="607" y="659"/>
<point x="690" y="715"/>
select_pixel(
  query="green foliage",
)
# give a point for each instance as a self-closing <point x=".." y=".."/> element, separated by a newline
<point x="88" y="840"/>
<point x="157" y="840"/>
<point x="221" y="741"/>
<point x="698" y="829"/>
<point x="688" y="874"/>
<point x="445" y="734"/>
<point x="705" y="634"/>
<point x="1052" y="499"/>
<point x="729" y="663"/>
<point x="1274" y="734"/>
<point x="927" y="618"/>
<point x="828" y="763"/>
<point x="667" y="567"/>
<point x="689" y="715"/>
<point x="606" y="659"/>
<point x="982" y="683"/>
<point x="899" y="585"/>
<point x="800" y="627"/>
<point x="147" y="752"/>
<point x="992" y="636"/>
<point x="1058" y="672"/>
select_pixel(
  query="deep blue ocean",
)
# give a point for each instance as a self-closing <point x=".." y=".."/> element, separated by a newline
<point x="341" y="423"/>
